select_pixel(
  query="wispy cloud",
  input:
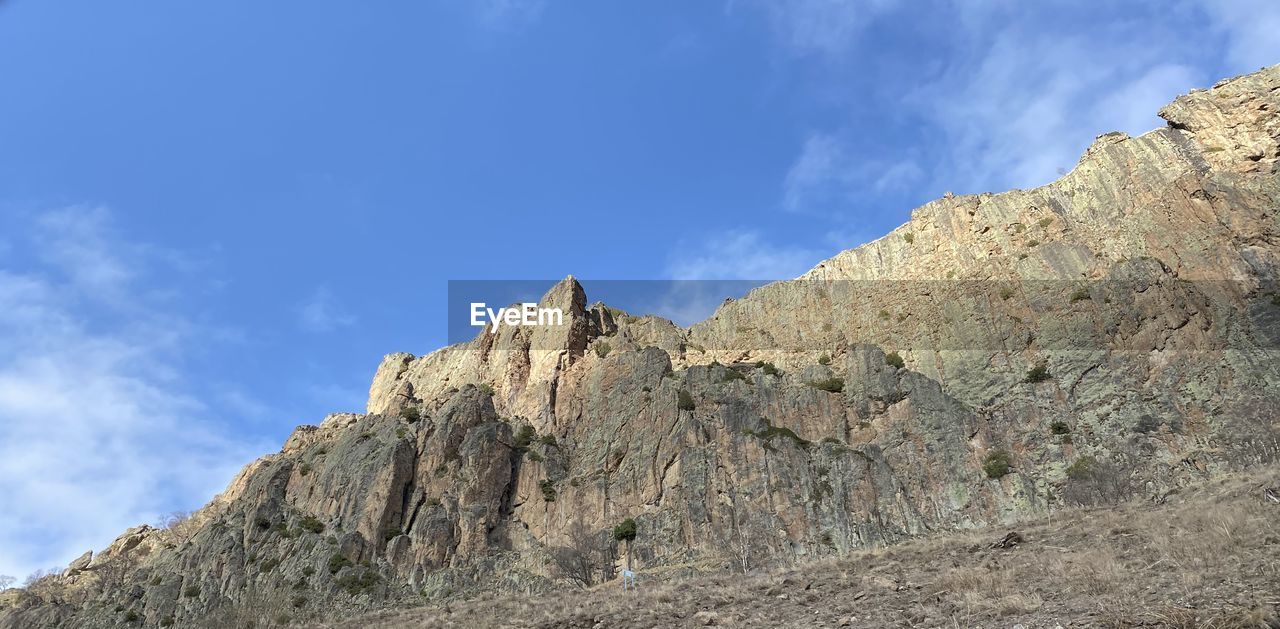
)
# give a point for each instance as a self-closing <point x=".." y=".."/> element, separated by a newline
<point x="1020" y="110"/>
<point x="1020" y="90"/>
<point x="740" y="254"/>
<point x="1250" y="28"/>
<point x="509" y="14"/>
<point x="77" y="242"/>
<point x="826" y="179"/>
<point x="322" y="313"/>
<point x="828" y="27"/>
<point x="101" y="433"/>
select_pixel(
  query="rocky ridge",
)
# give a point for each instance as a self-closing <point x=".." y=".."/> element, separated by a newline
<point x="1106" y="336"/>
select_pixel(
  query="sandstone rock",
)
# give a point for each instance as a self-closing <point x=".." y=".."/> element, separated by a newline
<point x="79" y="564"/>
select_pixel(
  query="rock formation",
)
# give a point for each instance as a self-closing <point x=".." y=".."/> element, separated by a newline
<point x="1109" y="335"/>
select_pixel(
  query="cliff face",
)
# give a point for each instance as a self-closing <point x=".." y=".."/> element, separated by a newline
<point x="1109" y="335"/>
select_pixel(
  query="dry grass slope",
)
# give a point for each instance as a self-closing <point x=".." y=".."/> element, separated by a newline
<point x="1206" y="558"/>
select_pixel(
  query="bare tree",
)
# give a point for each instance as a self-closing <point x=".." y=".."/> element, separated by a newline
<point x="6" y="582"/>
<point x="178" y="526"/>
<point x="1092" y="482"/>
<point x="114" y="572"/>
<point x="587" y="559"/>
<point x="42" y="582"/>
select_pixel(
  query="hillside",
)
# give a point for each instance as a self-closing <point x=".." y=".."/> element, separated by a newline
<point x="1205" y="557"/>
<point x="1107" y="337"/>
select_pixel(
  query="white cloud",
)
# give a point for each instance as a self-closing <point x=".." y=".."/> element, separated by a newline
<point x="322" y="313"/>
<point x="99" y="431"/>
<point x="821" y="166"/>
<point x="1132" y="107"/>
<point x="77" y="242"/>
<point x="1021" y="91"/>
<point x="825" y="179"/>
<point x="1019" y="107"/>
<point x="725" y="266"/>
<point x="829" y="27"/>
<point x="740" y="254"/>
<point x="1252" y="30"/>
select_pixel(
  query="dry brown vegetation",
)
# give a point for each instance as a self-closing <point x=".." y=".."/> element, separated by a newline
<point x="1208" y="557"/>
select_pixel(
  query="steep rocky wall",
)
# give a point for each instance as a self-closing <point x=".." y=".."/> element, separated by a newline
<point x="1140" y="285"/>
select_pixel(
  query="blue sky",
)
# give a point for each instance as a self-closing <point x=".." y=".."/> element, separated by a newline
<point x="215" y="218"/>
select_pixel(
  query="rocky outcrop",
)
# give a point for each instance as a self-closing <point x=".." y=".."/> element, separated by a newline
<point x="999" y="356"/>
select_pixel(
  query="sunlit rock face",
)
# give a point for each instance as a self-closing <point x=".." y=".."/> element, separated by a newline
<point x="951" y="374"/>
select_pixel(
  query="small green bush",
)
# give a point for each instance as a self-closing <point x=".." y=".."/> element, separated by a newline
<point x="547" y="440"/>
<point x="308" y="571"/>
<point x="304" y="469"/>
<point x="1059" y="428"/>
<point x="603" y="349"/>
<point x="338" y="561"/>
<point x="625" y="531"/>
<point x="1045" y="222"/>
<point x="155" y="580"/>
<point x="893" y="359"/>
<point x="298" y="601"/>
<point x="1033" y="243"/>
<point x="524" y="437"/>
<point x="131" y="616"/>
<point x="486" y="389"/>
<point x="390" y="535"/>
<point x="311" y="525"/>
<point x="167" y="621"/>
<point x="770" y="431"/>
<point x="358" y="582"/>
<point x="824" y="359"/>
<point x="831" y="385"/>
<point x="1039" y="373"/>
<point x="909" y="237"/>
<point x="548" y="490"/>
<point x="1006" y="293"/>
<point x="268" y="565"/>
<point x="410" y="414"/>
<point x="730" y="374"/>
<point x="262" y="522"/>
<point x="534" y="456"/>
<point x="684" y="401"/>
<point x="1080" y="294"/>
<point x="1082" y="467"/>
<point x="769" y="369"/>
<point x="997" y="464"/>
<point x="191" y="591"/>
